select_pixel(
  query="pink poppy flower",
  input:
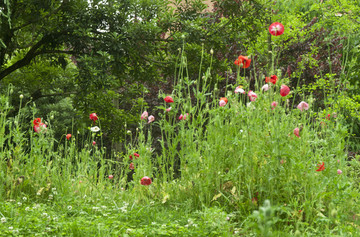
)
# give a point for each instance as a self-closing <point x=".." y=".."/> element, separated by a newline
<point x="111" y="176"/>
<point x="276" y="29"/>
<point x="169" y="99"/>
<point x="239" y="89"/>
<point x="168" y="109"/>
<point x="222" y="103"/>
<point x="284" y="90"/>
<point x="339" y="171"/>
<point x="68" y="136"/>
<point x="151" y="119"/>
<point x="144" y="115"/>
<point x="252" y="96"/>
<point x="274" y="104"/>
<point x="94" y="143"/>
<point x="131" y="166"/>
<point x="297" y="132"/>
<point x="40" y="128"/>
<point x="303" y="105"/>
<point x="145" y="181"/>
<point x="265" y="87"/>
<point x="183" y="117"/>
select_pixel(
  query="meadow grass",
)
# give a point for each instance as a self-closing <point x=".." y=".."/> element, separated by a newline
<point x="236" y="169"/>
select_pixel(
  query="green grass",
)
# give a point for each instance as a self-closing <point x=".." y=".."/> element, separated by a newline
<point x="223" y="171"/>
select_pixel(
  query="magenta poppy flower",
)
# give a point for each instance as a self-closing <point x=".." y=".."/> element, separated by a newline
<point x="276" y="29"/>
<point x="252" y="95"/>
<point x="303" y="105"/>
<point x="169" y="99"/>
<point x="144" y="115"/>
<point x="145" y="181"/>
<point x="284" y="90"/>
<point x="297" y="132"/>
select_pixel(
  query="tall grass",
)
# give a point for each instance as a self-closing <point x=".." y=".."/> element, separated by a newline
<point x="232" y="160"/>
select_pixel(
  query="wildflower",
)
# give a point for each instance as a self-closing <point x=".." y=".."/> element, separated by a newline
<point x="27" y="209"/>
<point x="95" y="129"/>
<point x="321" y="167"/>
<point x="145" y="181"/>
<point x="94" y="143"/>
<point x="274" y="104"/>
<point x="39" y="126"/>
<point x="303" y="105"/>
<point x="239" y="89"/>
<point x="297" y="132"/>
<point x="68" y="136"/>
<point x="136" y="155"/>
<point x="21" y="96"/>
<point x="3" y="220"/>
<point x="111" y="176"/>
<point x="272" y="79"/>
<point x="284" y="90"/>
<point x="223" y="101"/>
<point x="339" y="171"/>
<point x="69" y="208"/>
<point x="183" y="117"/>
<point x="151" y="119"/>
<point x="252" y="96"/>
<point x="265" y="87"/>
<point x="131" y="166"/>
<point x="168" y="109"/>
<point x="93" y="117"/>
<point x="243" y="61"/>
<point x="144" y="115"/>
<point x="328" y="116"/>
<point x="51" y="197"/>
<point x="276" y="29"/>
<point x="169" y="99"/>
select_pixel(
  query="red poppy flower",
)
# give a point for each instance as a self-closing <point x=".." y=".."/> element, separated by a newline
<point x="169" y="99"/>
<point x="276" y="29"/>
<point x="243" y="61"/>
<point x="321" y="167"/>
<point x="37" y="121"/>
<point x="68" y="136"/>
<point x="130" y="156"/>
<point x="137" y="155"/>
<point x="284" y="90"/>
<point x="145" y="181"/>
<point x="328" y="116"/>
<point x="273" y="79"/>
<point x="93" y="117"/>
